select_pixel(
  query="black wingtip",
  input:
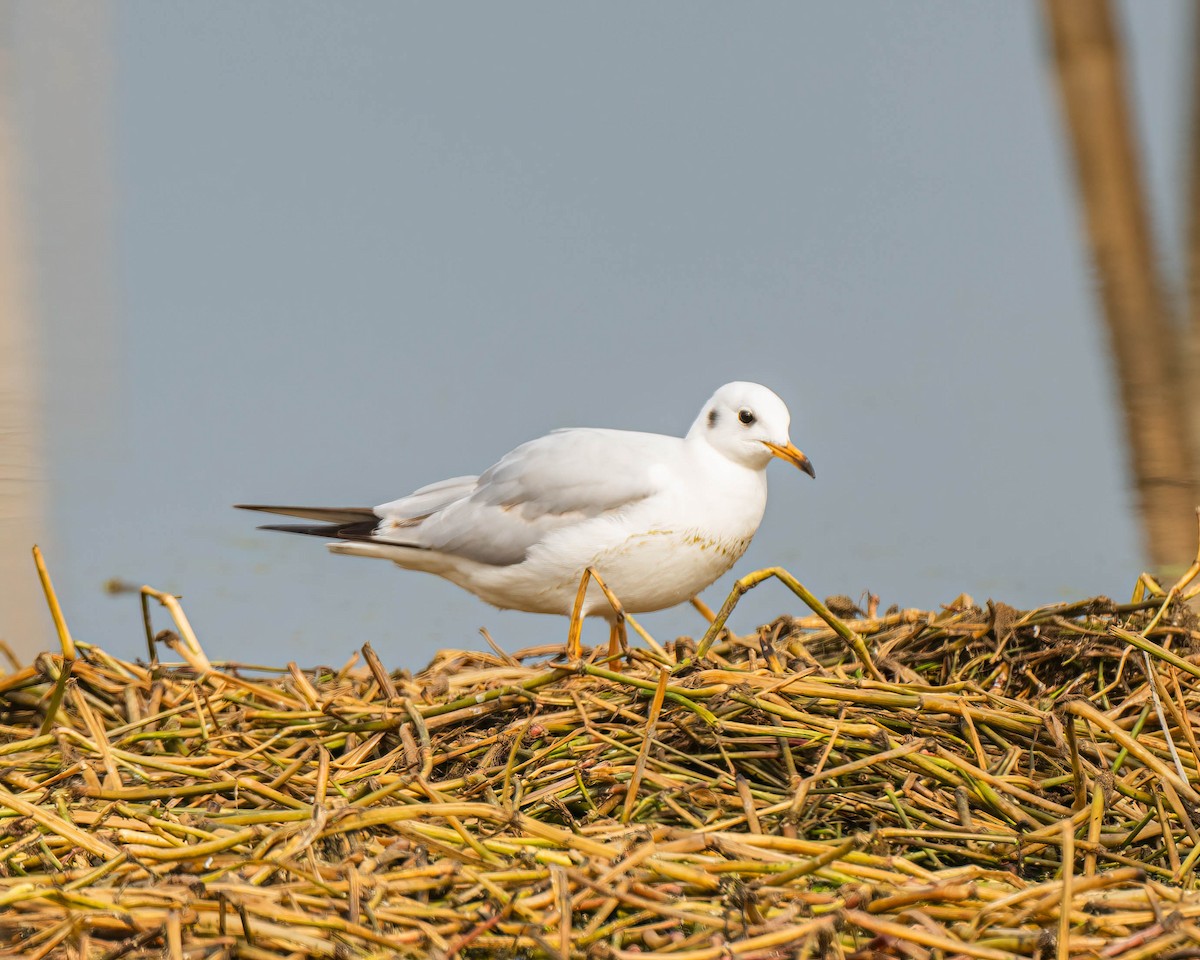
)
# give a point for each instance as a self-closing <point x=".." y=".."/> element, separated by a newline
<point x="328" y="531"/>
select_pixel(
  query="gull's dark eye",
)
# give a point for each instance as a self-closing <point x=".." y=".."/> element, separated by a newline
<point x="746" y="416"/>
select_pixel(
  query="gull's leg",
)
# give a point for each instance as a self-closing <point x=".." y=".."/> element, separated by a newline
<point x="752" y="580"/>
<point x="704" y="608"/>
<point x="618" y="640"/>
<point x="575" y="631"/>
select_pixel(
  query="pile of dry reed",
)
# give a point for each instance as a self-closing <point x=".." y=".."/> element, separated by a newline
<point x="976" y="782"/>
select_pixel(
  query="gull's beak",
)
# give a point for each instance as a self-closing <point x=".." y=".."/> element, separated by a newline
<point x="792" y="456"/>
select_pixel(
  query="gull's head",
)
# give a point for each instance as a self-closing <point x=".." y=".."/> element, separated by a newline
<point x="748" y="423"/>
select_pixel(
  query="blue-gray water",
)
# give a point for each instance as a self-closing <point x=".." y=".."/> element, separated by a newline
<point x="346" y="252"/>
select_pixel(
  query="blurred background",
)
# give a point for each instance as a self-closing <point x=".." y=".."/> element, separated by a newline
<point x="298" y="252"/>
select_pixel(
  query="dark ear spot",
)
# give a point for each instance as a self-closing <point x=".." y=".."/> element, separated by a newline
<point x="712" y="417"/>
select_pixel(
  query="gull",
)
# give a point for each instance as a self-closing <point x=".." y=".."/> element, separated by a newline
<point x="651" y="519"/>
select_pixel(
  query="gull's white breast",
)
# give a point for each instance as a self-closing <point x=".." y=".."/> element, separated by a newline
<point x="652" y="554"/>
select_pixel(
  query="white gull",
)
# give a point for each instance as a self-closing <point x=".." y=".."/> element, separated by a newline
<point x="659" y="518"/>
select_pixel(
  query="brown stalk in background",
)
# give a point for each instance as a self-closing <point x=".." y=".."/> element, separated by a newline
<point x="22" y="622"/>
<point x="1151" y="352"/>
<point x="1192" y="355"/>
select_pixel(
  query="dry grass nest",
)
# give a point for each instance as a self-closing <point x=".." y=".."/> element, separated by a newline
<point x="966" y="782"/>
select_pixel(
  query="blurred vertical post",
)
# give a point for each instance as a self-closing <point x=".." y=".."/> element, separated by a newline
<point x="23" y="621"/>
<point x="1146" y="345"/>
<point x="1192" y="334"/>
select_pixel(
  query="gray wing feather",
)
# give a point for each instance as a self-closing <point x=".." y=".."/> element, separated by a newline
<point x="562" y="478"/>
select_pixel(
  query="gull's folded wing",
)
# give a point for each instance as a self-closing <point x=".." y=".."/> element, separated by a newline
<point x="563" y="478"/>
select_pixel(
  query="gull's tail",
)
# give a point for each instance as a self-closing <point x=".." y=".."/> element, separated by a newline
<point x="337" y="523"/>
